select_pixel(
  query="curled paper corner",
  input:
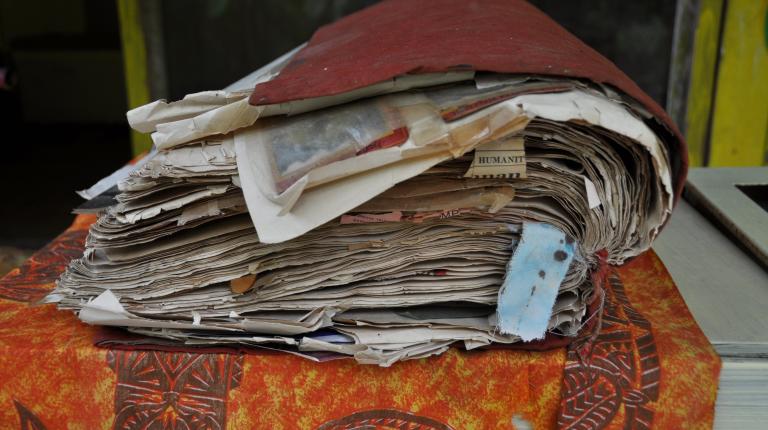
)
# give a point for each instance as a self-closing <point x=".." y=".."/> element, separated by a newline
<point x="534" y="274"/>
<point x="105" y="307"/>
<point x="107" y="301"/>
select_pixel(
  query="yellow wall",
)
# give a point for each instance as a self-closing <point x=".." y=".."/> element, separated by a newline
<point x="727" y="107"/>
<point x="740" y="118"/>
<point x="135" y="63"/>
<point x="702" y="83"/>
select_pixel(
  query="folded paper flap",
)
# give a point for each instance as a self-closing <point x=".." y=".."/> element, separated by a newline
<point x="399" y="37"/>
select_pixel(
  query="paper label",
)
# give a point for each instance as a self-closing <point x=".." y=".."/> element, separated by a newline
<point x="503" y="158"/>
<point x="423" y="216"/>
<point x="418" y="217"/>
<point x="371" y="218"/>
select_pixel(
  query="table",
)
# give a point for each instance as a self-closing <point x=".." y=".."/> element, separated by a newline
<point x="650" y="363"/>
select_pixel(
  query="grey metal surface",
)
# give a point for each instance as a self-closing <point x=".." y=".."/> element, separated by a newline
<point x="725" y="289"/>
<point x="742" y="397"/>
<point x="715" y="192"/>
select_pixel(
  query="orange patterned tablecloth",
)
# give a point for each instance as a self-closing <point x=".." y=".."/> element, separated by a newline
<point x="650" y="366"/>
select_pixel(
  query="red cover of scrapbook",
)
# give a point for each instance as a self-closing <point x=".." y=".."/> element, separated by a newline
<point x="398" y="37"/>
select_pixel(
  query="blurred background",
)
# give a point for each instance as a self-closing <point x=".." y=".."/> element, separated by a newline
<point x="69" y="69"/>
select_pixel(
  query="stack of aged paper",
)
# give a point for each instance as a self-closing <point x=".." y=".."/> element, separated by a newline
<point x="386" y="223"/>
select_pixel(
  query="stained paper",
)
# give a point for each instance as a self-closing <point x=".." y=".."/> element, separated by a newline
<point x="534" y="274"/>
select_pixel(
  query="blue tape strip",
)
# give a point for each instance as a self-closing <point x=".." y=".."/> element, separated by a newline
<point x="534" y="274"/>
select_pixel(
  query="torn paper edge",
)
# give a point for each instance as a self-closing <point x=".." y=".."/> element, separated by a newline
<point x="118" y="175"/>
